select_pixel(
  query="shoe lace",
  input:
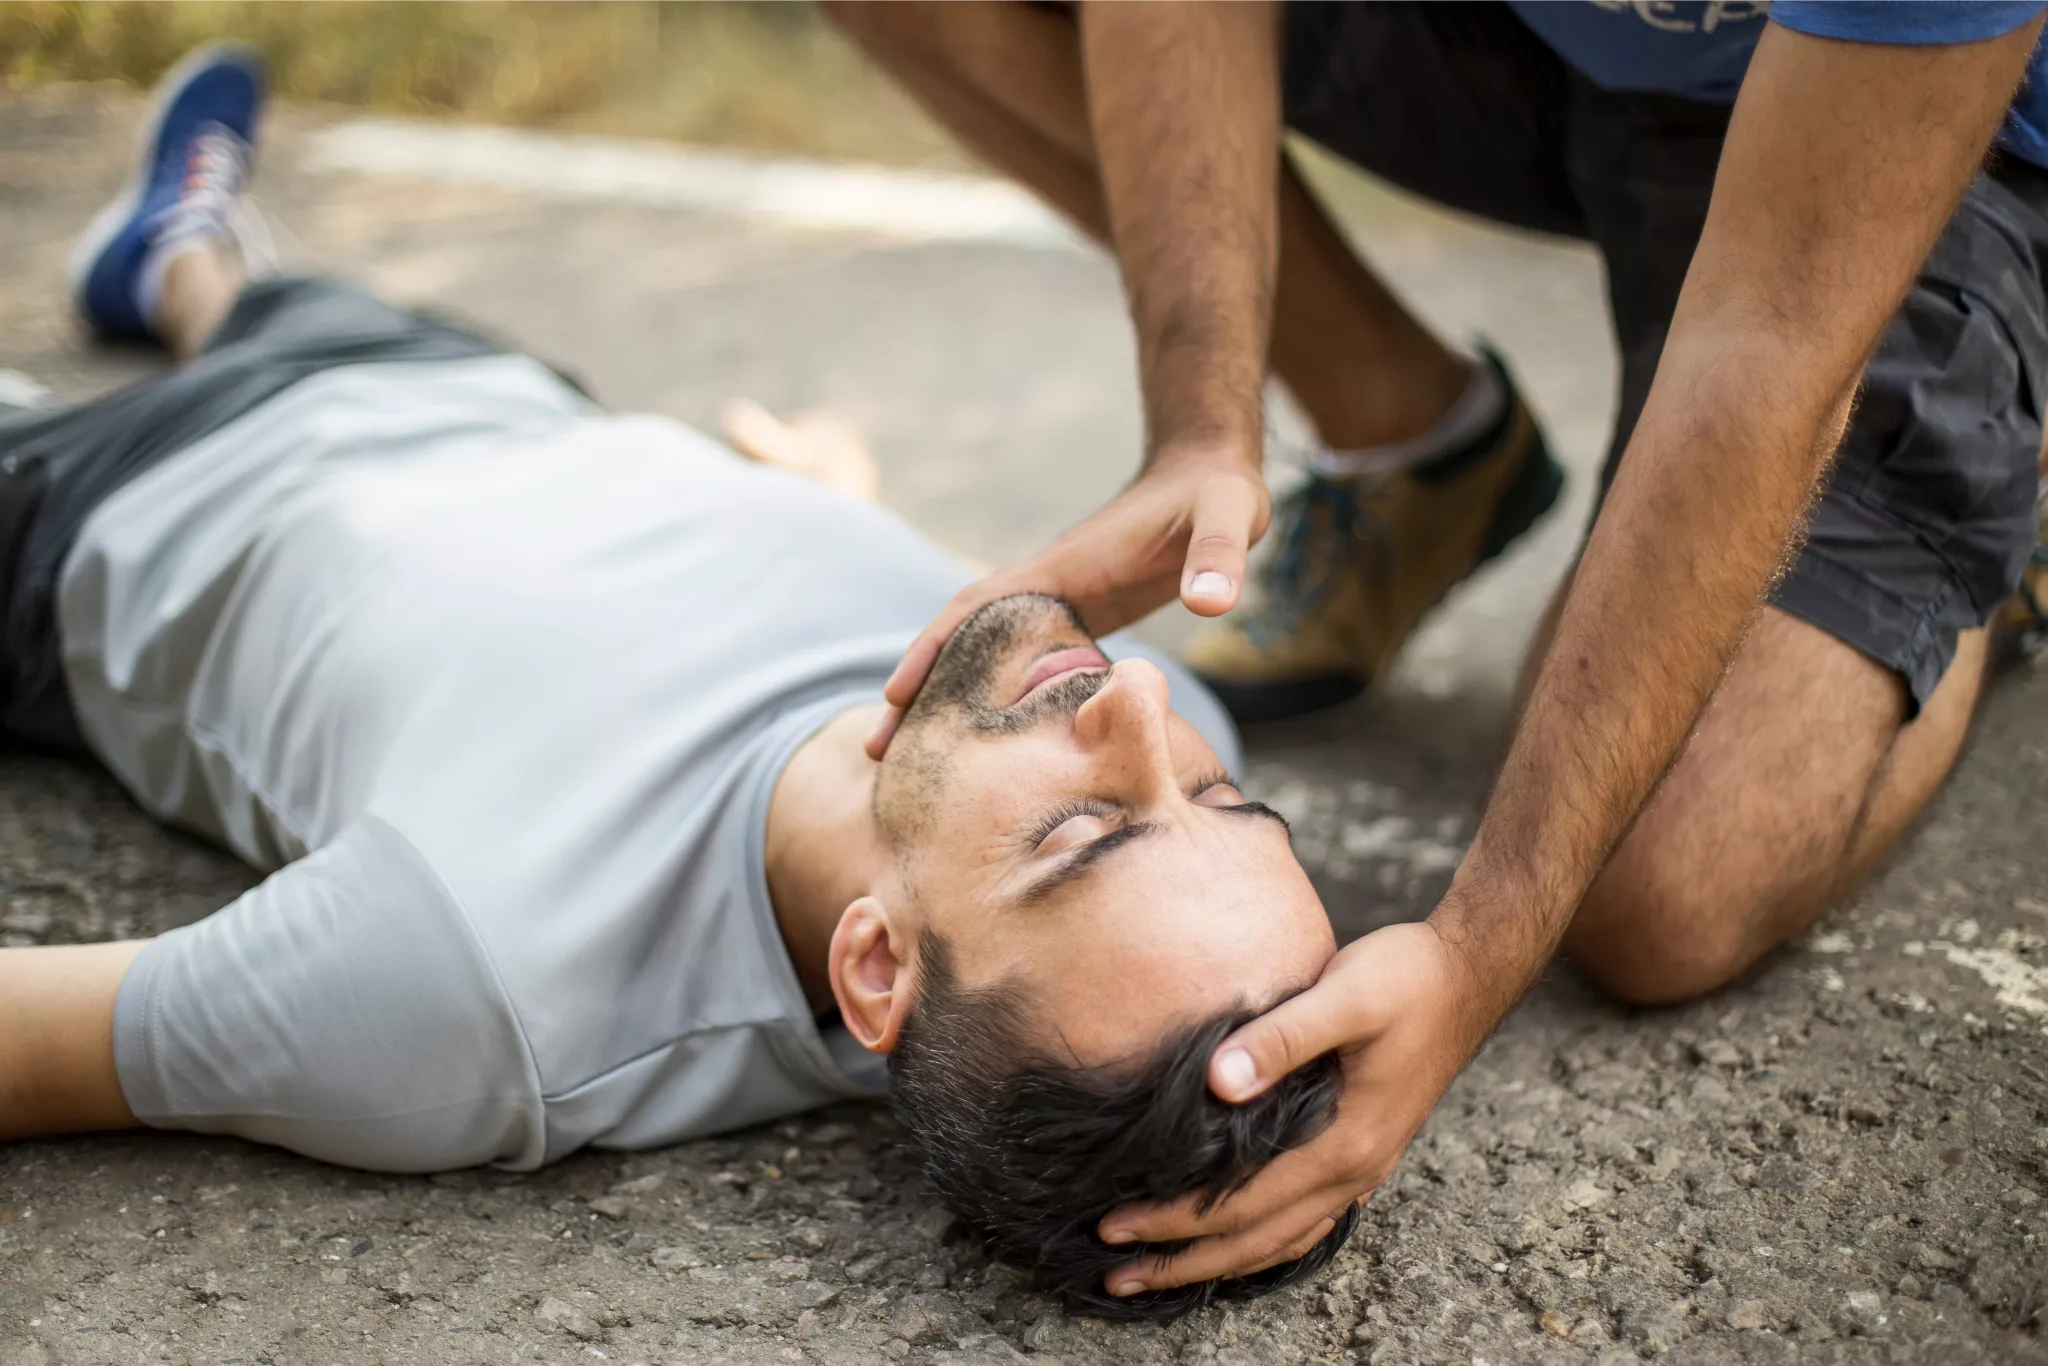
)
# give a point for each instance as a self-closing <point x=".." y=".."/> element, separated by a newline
<point x="1322" y="528"/>
<point x="216" y="164"/>
<point x="210" y="199"/>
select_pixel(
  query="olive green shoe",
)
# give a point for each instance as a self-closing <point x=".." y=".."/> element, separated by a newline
<point x="1357" y="561"/>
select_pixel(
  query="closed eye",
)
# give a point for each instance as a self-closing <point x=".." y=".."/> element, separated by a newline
<point x="1077" y="859"/>
<point x="1211" y="784"/>
<point x="1051" y="821"/>
<point x="1224" y="788"/>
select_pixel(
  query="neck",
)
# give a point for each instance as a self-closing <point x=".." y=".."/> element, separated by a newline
<point x="823" y="851"/>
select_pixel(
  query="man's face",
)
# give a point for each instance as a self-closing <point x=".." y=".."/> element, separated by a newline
<point x="1067" y="833"/>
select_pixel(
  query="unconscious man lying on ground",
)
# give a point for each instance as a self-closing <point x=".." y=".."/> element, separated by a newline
<point x="547" y="725"/>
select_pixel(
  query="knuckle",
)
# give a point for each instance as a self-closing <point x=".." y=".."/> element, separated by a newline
<point x="1290" y="1042"/>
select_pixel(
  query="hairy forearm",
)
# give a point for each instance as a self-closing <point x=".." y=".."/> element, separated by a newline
<point x="1694" y="532"/>
<point x="57" y="1039"/>
<point x="1842" y="164"/>
<point x="1185" y="104"/>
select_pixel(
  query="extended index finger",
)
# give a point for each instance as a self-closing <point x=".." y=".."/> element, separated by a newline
<point x="917" y="661"/>
<point x="1289" y="1234"/>
<point x="1284" y="1183"/>
<point x="916" y="665"/>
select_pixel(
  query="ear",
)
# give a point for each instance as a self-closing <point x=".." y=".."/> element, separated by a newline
<point x="873" y="973"/>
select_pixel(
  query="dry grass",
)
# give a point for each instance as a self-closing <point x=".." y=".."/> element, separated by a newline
<point x="773" y="76"/>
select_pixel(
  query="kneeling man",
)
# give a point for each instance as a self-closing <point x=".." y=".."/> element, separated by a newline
<point x="547" y="725"/>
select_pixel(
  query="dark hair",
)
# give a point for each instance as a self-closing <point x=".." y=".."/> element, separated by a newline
<point x="1032" y="1151"/>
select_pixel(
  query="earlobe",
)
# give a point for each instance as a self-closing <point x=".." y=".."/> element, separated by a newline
<point x="872" y="974"/>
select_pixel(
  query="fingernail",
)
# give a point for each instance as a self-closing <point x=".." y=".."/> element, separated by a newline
<point x="1129" y="1287"/>
<point x="1236" y="1073"/>
<point x="1118" y="1236"/>
<point x="1209" y="584"/>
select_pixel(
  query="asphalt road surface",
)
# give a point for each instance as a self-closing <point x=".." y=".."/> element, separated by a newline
<point x="1839" y="1159"/>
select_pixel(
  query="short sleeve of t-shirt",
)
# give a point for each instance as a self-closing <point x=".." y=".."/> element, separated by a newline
<point x="344" y="1009"/>
<point x="1905" y="21"/>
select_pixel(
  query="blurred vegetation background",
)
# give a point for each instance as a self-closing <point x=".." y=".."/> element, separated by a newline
<point x="769" y="76"/>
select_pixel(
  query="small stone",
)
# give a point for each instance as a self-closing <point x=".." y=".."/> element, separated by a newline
<point x="1910" y="1287"/>
<point x="641" y="1185"/>
<point x="559" y="1313"/>
<point x="1556" y="1324"/>
<point x="789" y="1270"/>
<point x="1718" y="1053"/>
<point x="1861" y="1314"/>
<point x="1748" y="1314"/>
<point x="917" y="1320"/>
<point x="675" y="1258"/>
<point x="612" y="1206"/>
<point x="896" y="1350"/>
<point x="1926" y="1258"/>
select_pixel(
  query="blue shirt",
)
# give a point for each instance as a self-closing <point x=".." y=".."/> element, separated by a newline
<point x="1700" y="48"/>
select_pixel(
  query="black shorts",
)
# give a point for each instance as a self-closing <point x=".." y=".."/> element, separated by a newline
<point x="57" y="465"/>
<point x="1928" y="514"/>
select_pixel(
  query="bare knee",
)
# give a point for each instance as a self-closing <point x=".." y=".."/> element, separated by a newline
<point x="1658" y="936"/>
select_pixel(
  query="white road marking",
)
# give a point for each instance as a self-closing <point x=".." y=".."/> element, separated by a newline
<point x="898" y="205"/>
<point x="2018" y="984"/>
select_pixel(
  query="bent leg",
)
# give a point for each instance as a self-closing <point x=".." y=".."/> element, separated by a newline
<point x="1805" y="769"/>
<point x="1008" y="79"/>
<point x="1801" y="775"/>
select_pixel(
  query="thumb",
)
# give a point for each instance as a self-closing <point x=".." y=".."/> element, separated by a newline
<point x="1218" y="542"/>
<point x="1297" y="1031"/>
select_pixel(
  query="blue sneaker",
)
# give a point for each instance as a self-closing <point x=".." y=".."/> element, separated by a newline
<point x="197" y="148"/>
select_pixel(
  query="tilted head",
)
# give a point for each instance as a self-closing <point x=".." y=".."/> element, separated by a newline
<point x="1080" y="905"/>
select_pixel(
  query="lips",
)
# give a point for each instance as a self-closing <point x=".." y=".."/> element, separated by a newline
<point x="1057" y="665"/>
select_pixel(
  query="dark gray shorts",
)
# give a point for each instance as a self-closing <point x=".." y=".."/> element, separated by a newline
<point x="1927" y="517"/>
<point x="57" y="465"/>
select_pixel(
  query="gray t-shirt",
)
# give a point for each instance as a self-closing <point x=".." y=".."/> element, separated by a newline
<point x="499" y="685"/>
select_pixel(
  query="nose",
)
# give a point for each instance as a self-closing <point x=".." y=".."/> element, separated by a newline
<point x="1124" y="729"/>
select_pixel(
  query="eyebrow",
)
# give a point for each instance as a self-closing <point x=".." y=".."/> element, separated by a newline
<point x="1084" y="860"/>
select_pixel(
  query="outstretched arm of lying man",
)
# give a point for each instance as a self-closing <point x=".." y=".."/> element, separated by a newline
<point x="57" y="1039"/>
<point x="1842" y="164"/>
